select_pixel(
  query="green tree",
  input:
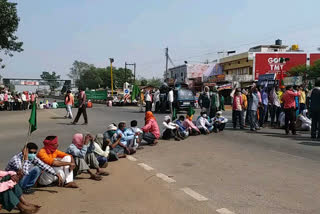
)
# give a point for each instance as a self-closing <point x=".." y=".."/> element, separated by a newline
<point x="51" y="79"/>
<point x="9" y="21"/>
<point x="143" y="82"/>
<point x="155" y="82"/>
<point x="90" y="79"/>
<point x="77" y="69"/>
<point x="307" y="72"/>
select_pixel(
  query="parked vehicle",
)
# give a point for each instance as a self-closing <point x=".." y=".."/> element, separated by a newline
<point x="184" y="98"/>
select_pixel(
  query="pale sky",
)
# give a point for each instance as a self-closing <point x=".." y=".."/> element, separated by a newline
<point x="55" y="33"/>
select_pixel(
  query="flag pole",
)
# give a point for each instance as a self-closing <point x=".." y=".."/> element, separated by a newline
<point x="28" y="135"/>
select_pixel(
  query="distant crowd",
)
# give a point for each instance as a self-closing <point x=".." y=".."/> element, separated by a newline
<point x="16" y="101"/>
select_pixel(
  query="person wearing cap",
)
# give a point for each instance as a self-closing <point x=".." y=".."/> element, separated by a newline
<point x="62" y="163"/>
<point x="170" y="129"/>
<point x="219" y="122"/>
<point x="203" y="123"/>
<point x="204" y="100"/>
<point x="112" y="139"/>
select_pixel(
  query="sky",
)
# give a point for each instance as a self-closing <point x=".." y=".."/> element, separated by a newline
<point x="56" y="33"/>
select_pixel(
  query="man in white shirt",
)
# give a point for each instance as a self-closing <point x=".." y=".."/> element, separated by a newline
<point x="24" y="101"/>
<point x="170" y="129"/>
<point x="170" y="99"/>
<point x="148" y="100"/>
<point x="156" y="100"/>
<point x="203" y="124"/>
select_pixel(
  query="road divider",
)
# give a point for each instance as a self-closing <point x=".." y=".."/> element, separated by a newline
<point x="194" y="194"/>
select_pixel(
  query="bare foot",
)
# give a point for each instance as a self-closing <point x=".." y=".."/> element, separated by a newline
<point x="102" y="173"/>
<point x="71" y="185"/>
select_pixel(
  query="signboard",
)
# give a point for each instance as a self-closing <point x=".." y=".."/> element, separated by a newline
<point x="126" y="91"/>
<point x="314" y="57"/>
<point x="225" y="86"/>
<point x="210" y="84"/>
<point x="274" y="63"/>
<point x="29" y="82"/>
<point x="292" y="80"/>
<point x="217" y="78"/>
<point x="267" y="79"/>
<point x="196" y="70"/>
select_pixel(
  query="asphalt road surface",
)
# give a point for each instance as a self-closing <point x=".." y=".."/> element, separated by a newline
<point x="235" y="171"/>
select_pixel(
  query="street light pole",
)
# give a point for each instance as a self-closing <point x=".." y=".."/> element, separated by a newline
<point x="111" y="76"/>
<point x="134" y="71"/>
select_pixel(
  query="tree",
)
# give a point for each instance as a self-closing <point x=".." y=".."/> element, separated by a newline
<point x="9" y="21"/>
<point x="155" y="82"/>
<point x="77" y="69"/>
<point x="51" y="79"/>
<point x="307" y="72"/>
<point x="143" y="82"/>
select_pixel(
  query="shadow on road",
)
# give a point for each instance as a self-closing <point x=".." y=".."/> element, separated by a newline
<point x="310" y="143"/>
<point x="56" y="118"/>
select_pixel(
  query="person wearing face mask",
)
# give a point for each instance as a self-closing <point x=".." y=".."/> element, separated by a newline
<point x="203" y="124"/>
<point x="31" y="167"/>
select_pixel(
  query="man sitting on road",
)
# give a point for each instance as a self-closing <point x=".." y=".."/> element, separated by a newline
<point x="62" y="163"/>
<point x="31" y="167"/>
<point x="219" y="122"/>
<point x="127" y="139"/>
<point x="170" y="129"/>
<point x="182" y="129"/>
<point x="112" y="140"/>
<point x="203" y="124"/>
<point x="137" y="133"/>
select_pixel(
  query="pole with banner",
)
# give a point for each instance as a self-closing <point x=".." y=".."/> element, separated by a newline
<point x="111" y="76"/>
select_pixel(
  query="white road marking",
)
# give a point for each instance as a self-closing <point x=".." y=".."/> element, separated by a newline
<point x="145" y="166"/>
<point x="165" y="178"/>
<point x="224" y="211"/>
<point x="194" y="194"/>
<point x="129" y="157"/>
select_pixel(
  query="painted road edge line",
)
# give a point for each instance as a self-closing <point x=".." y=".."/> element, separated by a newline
<point x="224" y="211"/>
<point x="194" y="194"/>
<point x="129" y="157"/>
<point x="165" y="178"/>
<point x="145" y="166"/>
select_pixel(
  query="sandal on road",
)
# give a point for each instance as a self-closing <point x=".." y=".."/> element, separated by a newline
<point x="96" y="177"/>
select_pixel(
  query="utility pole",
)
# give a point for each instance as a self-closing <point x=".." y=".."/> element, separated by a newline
<point x="125" y="71"/>
<point x="134" y="70"/>
<point x="111" y="61"/>
<point x="167" y="58"/>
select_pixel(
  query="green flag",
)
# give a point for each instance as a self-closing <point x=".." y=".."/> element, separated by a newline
<point x="33" y="118"/>
<point x="190" y="111"/>
<point x="135" y="92"/>
<point x="174" y="114"/>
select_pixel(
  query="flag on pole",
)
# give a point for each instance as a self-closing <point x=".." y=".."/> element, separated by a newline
<point x="174" y="114"/>
<point x="33" y="118"/>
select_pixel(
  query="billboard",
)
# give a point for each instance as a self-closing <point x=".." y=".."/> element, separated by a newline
<point x="274" y="63"/>
<point x="196" y="70"/>
<point x="314" y="57"/>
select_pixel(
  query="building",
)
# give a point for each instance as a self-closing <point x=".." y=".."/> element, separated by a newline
<point x="241" y="67"/>
<point x="190" y="74"/>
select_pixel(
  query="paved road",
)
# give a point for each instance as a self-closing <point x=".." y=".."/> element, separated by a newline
<point x="240" y="171"/>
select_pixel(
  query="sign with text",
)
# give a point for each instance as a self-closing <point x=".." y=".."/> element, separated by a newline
<point x="274" y="63"/>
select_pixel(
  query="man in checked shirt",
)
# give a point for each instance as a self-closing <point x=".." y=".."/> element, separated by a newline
<point x="31" y="167"/>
